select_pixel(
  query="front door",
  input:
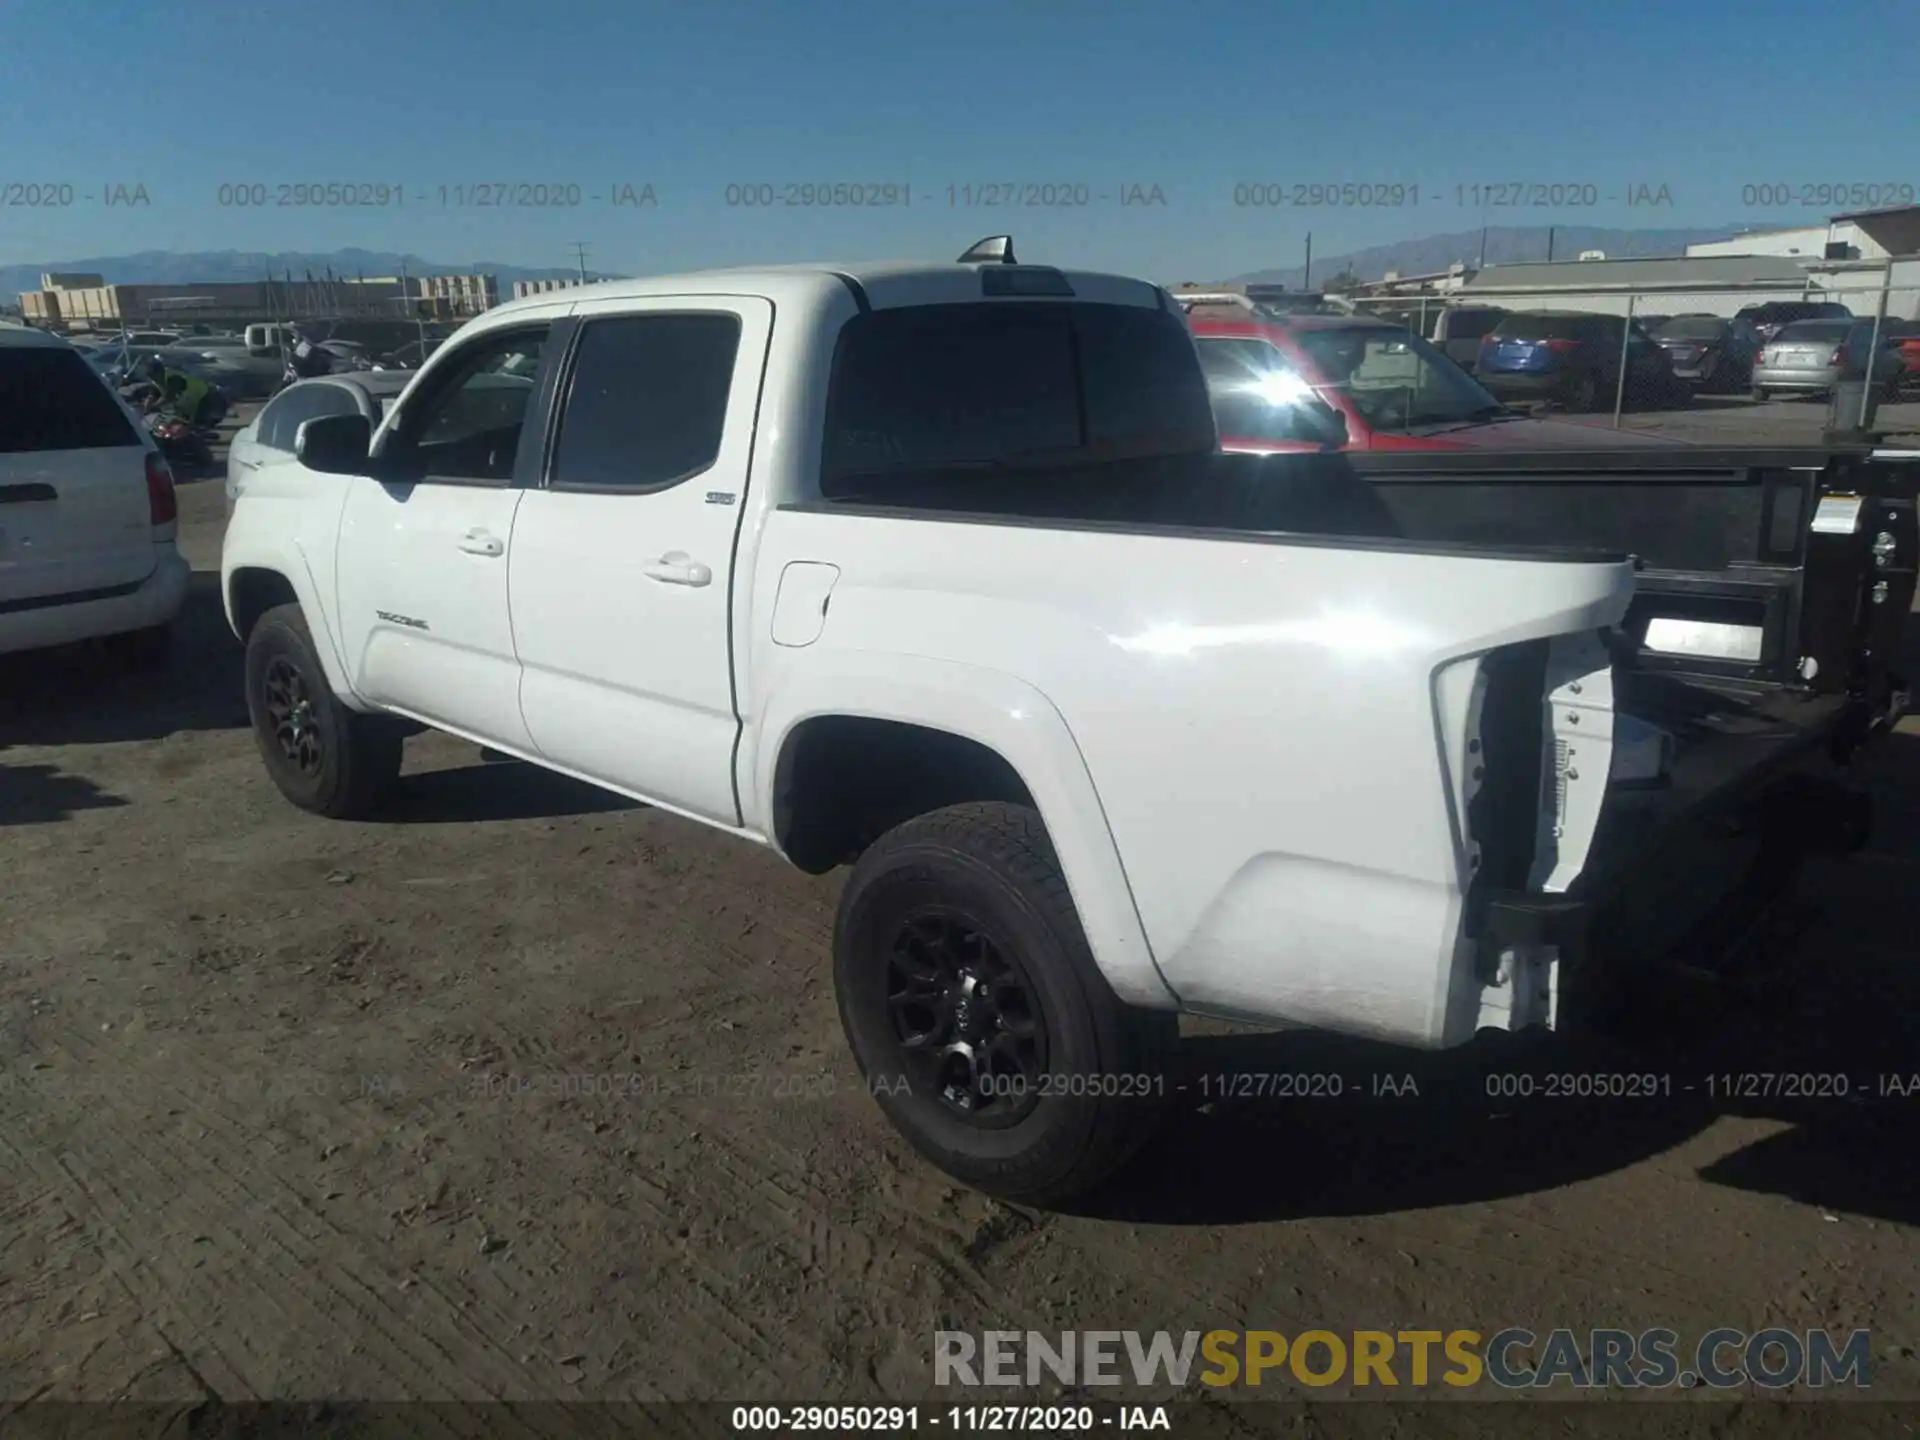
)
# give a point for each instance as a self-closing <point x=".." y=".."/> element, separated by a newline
<point x="622" y="559"/>
<point x="423" y="559"/>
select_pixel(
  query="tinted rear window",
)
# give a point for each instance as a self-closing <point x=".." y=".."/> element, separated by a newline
<point x="1539" y="327"/>
<point x="975" y="385"/>
<point x="51" y="400"/>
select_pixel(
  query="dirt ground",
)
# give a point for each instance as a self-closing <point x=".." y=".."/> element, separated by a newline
<point x="278" y="1114"/>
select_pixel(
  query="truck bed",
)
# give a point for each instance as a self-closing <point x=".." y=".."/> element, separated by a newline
<point x="1733" y="546"/>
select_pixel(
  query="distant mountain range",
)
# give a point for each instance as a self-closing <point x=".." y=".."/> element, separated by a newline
<point x="1505" y="244"/>
<point x="167" y="267"/>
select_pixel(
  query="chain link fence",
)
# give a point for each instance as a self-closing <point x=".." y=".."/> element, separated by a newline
<point x="1836" y="355"/>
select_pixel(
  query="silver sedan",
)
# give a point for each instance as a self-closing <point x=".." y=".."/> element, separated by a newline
<point x="1810" y="357"/>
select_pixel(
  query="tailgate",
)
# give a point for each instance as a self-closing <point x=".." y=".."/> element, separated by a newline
<point x="73" y="521"/>
<point x="74" y="513"/>
<point x="1778" y="566"/>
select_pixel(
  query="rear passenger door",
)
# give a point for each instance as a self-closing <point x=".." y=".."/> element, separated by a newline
<point x="623" y="555"/>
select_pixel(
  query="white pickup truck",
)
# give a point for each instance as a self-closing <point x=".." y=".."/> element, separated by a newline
<point x="935" y="569"/>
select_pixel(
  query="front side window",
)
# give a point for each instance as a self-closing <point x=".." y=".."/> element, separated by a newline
<point x="647" y="404"/>
<point x="470" y="426"/>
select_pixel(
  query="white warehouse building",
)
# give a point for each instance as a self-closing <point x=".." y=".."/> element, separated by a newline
<point x="1849" y="259"/>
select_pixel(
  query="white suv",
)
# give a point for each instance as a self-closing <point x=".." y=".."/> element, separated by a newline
<point x="87" y="508"/>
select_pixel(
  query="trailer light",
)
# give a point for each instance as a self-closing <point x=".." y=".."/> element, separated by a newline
<point x="1703" y="639"/>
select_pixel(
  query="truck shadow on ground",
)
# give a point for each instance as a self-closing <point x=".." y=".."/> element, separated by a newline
<point x="497" y="789"/>
<point x="95" y="694"/>
<point x="1293" y="1125"/>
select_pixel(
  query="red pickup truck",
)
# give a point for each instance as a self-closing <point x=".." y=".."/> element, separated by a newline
<point x="1289" y="382"/>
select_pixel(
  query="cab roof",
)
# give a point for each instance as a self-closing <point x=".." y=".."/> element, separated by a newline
<point x="883" y="284"/>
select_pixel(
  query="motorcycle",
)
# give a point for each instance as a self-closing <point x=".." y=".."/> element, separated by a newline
<point x="182" y="444"/>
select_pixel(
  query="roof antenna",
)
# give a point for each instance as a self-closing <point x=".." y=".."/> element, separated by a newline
<point x="994" y="250"/>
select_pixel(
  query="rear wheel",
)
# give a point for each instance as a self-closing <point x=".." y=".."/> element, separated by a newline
<point x="1758" y="392"/>
<point x="321" y="755"/>
<point x="1583" y="394"/>
<point x="978" y="1017"/>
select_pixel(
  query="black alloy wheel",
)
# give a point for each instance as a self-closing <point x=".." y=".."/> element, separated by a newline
<point x="966" y="1018"/>
<point x="290" y="711"/>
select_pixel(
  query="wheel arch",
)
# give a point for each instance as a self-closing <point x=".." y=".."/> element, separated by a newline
<point x="982" y="731"/>
<point x="252" y="586"/>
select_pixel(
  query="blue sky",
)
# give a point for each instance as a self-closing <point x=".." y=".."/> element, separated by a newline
<point x="690" y="98"/>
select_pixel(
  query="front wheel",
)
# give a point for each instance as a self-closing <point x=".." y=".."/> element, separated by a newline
<point x="977" y="1014"/>
<point x="321" y="755"/>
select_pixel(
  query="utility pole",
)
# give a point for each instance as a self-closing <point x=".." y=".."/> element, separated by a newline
<point x="1483" y="247"/>
<point x="1306" y="282"/>
<point x="1550" y="231"/>
<point x="580" y="250"/>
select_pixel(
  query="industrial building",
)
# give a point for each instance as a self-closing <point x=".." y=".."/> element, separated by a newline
<point x="1850" y="259"/>
<point x="79" y="301"/>
<point x="523" y="288"/>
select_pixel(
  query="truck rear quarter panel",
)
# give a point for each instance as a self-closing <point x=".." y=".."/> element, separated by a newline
<point x="1262" y="723"/>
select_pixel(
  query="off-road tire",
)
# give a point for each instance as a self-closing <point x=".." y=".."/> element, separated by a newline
<point x="1105" y="1088"/>
<point x="357" y="756"/>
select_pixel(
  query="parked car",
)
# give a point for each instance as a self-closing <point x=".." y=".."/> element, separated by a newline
<point x="1459" y="329"/>
<point x="230" y="366"/>
<point x="1190" y="730"/>
<point x="1905" y="335"/>
<point x="87" y="508"/>
<point x="1650" y="322"/>
<point x="150" y="339"/>
<point x="1772" y="316"/>
<point x="1810" y="357"/>
<point x="410" y="356"/>
<point x="268" y="440"/>
<point x="1574" y="358"/>
<point x="1310" y="383"/>
<point x="1710" y="352"/>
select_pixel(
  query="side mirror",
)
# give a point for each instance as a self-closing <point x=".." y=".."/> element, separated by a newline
<point x="335" y="444"/>
<point x="1334" y="422"/>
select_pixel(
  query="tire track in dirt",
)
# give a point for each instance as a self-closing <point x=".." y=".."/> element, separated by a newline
<point x="283" y="1260"/>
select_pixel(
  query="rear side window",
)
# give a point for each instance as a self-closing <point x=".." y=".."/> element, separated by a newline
<point x="50" y="399"/>
<point x="973" y="386"/>
<point x="648" y="402"/>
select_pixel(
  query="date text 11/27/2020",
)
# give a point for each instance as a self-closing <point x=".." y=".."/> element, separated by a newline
<point x="899" y="195"/>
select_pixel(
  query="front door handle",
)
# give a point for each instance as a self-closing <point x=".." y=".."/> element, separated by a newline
<point x="676" y="567"/>
<point x="481" y="542"/>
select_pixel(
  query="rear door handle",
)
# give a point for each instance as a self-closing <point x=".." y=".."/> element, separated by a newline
<point x="676" y="567"/>
<point x="480" y="542"/>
